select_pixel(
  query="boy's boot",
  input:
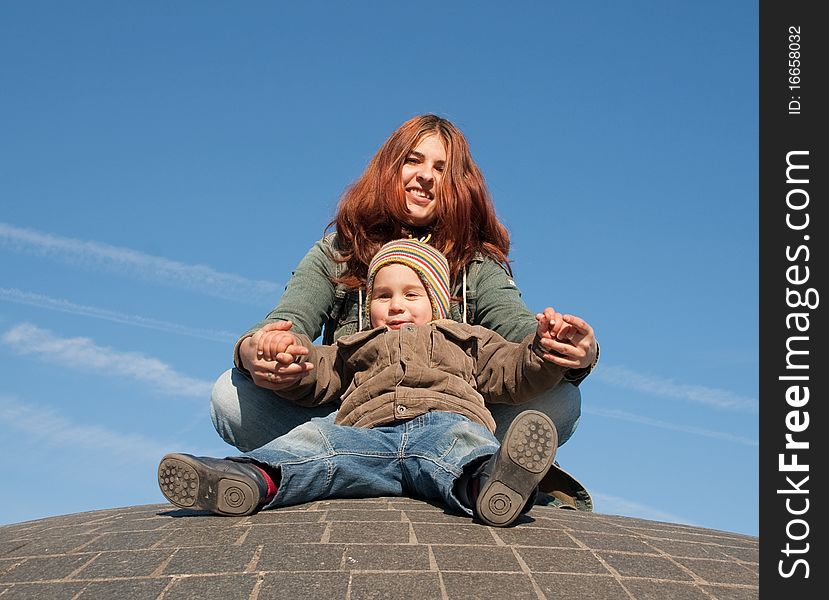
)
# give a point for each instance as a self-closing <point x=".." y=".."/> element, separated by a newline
<point x="508" y="481"/>
<point x="222" y="486"/>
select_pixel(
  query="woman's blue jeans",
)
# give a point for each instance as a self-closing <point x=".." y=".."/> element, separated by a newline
<point x="248" y="417"/>
<point x="422" y="457"/>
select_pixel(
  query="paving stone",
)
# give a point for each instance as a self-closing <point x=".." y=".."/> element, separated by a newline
<point x="465" y="558"/>
<point x="9" y="547"/>
<point x="25" y="529"/>
<point x="688" y="549"/>
<point x="218" y="587"/>
<point x="348" y="503"/>
<point x="720" y="571"/>
<point x="301" y="557"/>
<point x="50" y="544"/>
<point x="536" y="536"/>
<point x="70" y="530"/>
<point x="384" y="557"/>
<point x="556" y="560"/>
<point x="52" y="591"/>
<point x="580" y="587"/>
<point x="486" y="586"/>
<point x="702" y="536"/>
<point x="643" y="589"/>
<point x="227" y="559"/>
<point x="638" y="565"/>
<point x="431" y="516"/>
<point x="305" y="586"/>
<point x="138" y="540"/>
<point x="300" y="533"/>
<point x="401" y="503"/>
<point x="134" y="589"/>
<point x="8" y="563"/>
<point x="397" y="586"/>
<point x="575" y="520"/>
<point x="293" y="516"/>
<point x="732" y="593"/>
<point x="194" y="518"/>
<point x="612" y="541"/>
<point x="370" y="533"/>
<point x="127" y="563"/>
<point x="201" y="536"/>
<point x="46" y="568"/>
<point x="749" y="555"/>
<point x="371" y="516"/>
<point x="428" y="533"/>
<point x="142" y="524"/>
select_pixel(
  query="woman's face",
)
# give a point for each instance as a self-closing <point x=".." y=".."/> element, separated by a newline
<point x="421" y="175"/>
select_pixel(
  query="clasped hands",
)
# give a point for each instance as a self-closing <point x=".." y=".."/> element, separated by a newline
<point x="273" y="356"/>
<point x="566" y="340"/>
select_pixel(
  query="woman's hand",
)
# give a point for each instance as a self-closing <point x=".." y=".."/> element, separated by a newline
<point x="273" y="357"/>
<point x="568" y="341"/>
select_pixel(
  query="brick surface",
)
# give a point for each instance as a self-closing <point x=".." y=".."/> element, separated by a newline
<point x="375" y="548"/>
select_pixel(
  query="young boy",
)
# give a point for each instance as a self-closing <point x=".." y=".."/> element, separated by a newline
<point x="412" y="415"/>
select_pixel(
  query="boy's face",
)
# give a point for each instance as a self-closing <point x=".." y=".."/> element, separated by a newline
<point x="398" y="298"/>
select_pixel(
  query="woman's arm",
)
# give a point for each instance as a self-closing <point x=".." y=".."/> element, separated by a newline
<point x="306" y="302"/>
<point x="498" y="302"/>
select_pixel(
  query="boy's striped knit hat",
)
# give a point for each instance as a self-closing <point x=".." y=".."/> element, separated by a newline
<point x="429" y="264"/>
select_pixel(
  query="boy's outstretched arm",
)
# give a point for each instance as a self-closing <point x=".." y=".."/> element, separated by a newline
<point x="513" y="373"/>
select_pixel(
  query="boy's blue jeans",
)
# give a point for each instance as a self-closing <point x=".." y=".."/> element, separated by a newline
<point x="422" y="457"/>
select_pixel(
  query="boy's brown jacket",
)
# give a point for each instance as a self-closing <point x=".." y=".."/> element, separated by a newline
<point x="383" y="375"/>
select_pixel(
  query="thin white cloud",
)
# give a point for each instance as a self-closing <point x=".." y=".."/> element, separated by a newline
<point x="48" y="425"/>
<point x="626" y="416"/>
<point x="83" y="354"/>
<point x="60" y="305"/>
<point x="713" y="397"/>
<point x="131" y="263"/>
<point x="614" y="505"/>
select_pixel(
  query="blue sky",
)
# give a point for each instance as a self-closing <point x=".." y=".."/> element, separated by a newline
<point x="164" y="166"/>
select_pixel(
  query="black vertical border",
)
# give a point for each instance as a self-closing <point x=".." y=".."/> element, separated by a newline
<point x="786" y="127"/>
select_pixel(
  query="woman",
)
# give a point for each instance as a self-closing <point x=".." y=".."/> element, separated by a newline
<point x="422" y="183"/>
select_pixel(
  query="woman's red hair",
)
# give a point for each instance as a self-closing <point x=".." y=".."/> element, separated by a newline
<point x="373" y="211"/>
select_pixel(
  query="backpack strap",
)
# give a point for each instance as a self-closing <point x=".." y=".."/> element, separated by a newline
<point x="340" y="298"/>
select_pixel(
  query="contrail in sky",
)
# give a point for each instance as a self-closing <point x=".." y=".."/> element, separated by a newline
<point x="626" y="416"/>
<point x="83" y="354"/>
<point x="131" y="263"/>
<point x="614" y="505"/>
<point x="716" y="398"/>
<point x="61" y="305"/>
<point x="49" y="425"/>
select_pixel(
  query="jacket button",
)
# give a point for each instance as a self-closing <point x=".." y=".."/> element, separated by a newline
<point x="401" y="409"/>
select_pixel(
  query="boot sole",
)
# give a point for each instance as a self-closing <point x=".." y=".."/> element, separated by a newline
<point x="188" y="483"/>
<point x="525" y="456"/>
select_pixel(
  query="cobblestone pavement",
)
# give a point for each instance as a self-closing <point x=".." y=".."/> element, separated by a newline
<point x="376" y="548"/>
